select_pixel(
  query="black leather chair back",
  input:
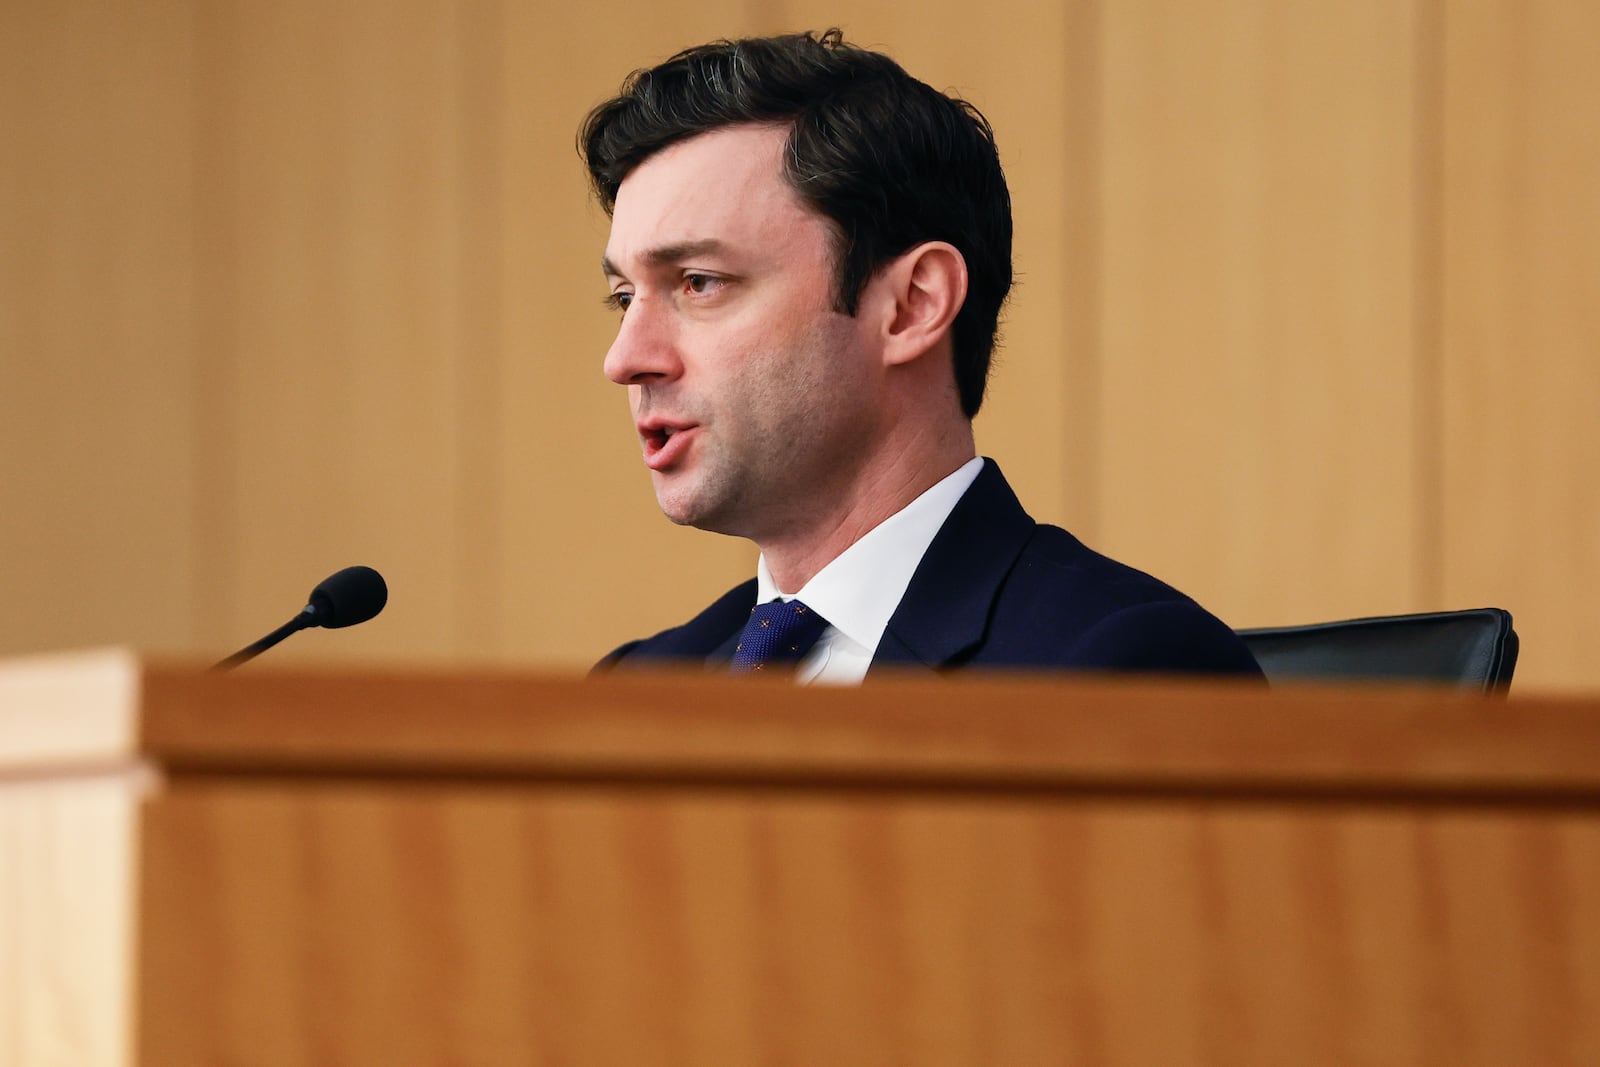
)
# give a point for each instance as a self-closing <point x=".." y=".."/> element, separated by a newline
<point x="1475" y="649"/>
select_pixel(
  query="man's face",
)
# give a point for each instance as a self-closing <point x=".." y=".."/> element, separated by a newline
<point x="754" y="400"/>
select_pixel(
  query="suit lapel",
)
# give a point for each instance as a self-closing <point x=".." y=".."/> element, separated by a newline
<point x="709" y="636"/>
<point x="715" y="631"/>
<point x="721" y="657"/>
<point x="945" y="612"/>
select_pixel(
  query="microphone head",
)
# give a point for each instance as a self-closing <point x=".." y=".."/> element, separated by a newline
<point x="353" y="595"/>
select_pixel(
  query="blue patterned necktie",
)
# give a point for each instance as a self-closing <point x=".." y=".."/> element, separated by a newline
<point x="778" y="634"/>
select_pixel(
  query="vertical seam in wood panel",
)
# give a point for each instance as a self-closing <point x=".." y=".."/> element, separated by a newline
<point x="478" y="626"/>
<point x="1082" y="237"/>
<point x="215" y="265"/>
<point x="1428" y="296"/>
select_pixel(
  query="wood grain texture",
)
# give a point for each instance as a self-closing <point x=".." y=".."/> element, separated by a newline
<point x="402" y="926"/>
<point x="1521" y="327"/>
<point x="68" y="711"/>
<point x="96" y="301"/>
<point x="1303" y="322"/>
<point x="341" y="209"/>
<point x="1030" y="733"/>
<point x="70" y="784"/>
<point x="487" y="868"/>
<point x="67" y="852"/>
<point x="1258" y="383"/>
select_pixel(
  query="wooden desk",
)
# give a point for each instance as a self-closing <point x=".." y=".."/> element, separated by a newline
<point x="325" y="868"/>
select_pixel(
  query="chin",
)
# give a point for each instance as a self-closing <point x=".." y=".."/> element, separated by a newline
<point x="679" y="507"/>
<point x="698" y="514"/>
<point x="680" y="496"/>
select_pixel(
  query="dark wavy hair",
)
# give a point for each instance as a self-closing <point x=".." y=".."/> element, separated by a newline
<point x="889" y="160"/>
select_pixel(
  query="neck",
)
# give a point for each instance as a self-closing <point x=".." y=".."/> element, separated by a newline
<point x="872" y="494"/>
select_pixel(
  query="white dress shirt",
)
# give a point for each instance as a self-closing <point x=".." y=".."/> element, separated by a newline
<point x="858" y="592"/>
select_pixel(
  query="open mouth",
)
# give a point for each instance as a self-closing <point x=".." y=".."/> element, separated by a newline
<point x="664" y="445"/>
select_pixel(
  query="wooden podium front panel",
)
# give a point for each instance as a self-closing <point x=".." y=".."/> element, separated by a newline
<point x="69" y="798"/>
<point x="376" y="921"/>
<point x="66" y="918"/>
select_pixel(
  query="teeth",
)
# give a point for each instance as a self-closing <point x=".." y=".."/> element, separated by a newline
<point x="666" y="432"/>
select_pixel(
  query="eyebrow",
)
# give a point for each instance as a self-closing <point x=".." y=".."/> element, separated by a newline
<point x="666" y="254"/>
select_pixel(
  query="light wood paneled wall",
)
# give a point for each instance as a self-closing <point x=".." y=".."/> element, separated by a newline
<point x="589" y="561"/>
<point x="97" y="355"/>
<point x="1304" y="319"/>
<point x="1257" y="362"/>
<point x="1518" y="385"/>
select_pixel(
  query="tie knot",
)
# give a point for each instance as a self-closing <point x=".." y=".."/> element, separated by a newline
<point x="778" y="634"/>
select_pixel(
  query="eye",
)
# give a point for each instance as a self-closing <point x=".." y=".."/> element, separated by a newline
<point x="701" y="283"/>
<point x="619" y="300"/>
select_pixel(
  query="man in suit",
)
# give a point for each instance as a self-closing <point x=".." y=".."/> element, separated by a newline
<point x="809" y="250"/>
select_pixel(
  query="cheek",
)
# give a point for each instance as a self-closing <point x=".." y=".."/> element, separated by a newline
<point x="789" y="358"/>
<point x="735" y="358"/>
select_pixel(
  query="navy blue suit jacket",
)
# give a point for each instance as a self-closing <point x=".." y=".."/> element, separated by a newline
<point x="998" y="590"/>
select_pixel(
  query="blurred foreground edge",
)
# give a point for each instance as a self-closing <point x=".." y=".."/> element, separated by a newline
<point x="365" y="866"/>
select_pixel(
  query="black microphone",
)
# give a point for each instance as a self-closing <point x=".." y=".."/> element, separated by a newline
<point x="353" y="595"/>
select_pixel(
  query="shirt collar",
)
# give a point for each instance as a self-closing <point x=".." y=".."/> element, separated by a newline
<point x="859" y="590"/>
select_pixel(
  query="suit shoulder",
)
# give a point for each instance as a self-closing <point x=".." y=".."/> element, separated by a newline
<point x="693" y="640"/>
<point x="1079" y="608"/>
<point x="1170" y="636"/>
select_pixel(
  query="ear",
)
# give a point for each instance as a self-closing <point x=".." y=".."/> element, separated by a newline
<point x="928" y="285"/>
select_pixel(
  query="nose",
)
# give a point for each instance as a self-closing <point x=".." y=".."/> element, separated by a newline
<point x="645" y="349"/>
